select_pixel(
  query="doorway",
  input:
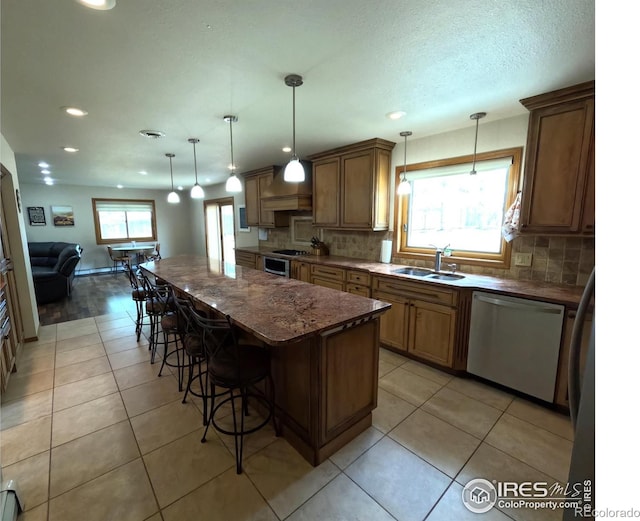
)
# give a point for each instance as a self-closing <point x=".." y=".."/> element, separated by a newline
<point x="220" y="229"/>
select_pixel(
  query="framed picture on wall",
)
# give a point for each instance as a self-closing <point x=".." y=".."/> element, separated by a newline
<point x="242" y="219"/>
<point x="62" y="215"/>
<point x="36" y="216"/>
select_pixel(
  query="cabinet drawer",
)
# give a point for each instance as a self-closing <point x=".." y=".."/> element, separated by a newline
<point x="359" y="277"/>
<point x="328" y="272"/>
<point x="358" y="289"/>
<point x="246" y="259"/>
<point x="415" y="289"/>
<point x="327" y="283"/>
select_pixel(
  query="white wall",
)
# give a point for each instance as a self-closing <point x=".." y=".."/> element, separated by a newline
<point x="173" y="222"/>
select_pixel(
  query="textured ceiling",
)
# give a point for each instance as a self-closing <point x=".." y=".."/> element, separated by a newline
<point x="180" y="66"/>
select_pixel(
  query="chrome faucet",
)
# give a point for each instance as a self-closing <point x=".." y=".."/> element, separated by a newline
<point x="439" y="254"/>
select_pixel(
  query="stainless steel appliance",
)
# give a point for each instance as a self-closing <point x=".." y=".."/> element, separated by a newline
<point x="515" y="342"/>
<point x="582" y="407"/>
<point x="277" y="266"/>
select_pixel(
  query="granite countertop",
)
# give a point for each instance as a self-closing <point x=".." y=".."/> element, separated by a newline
<point x="543" y="291"/>
<point x="277" y="310"/>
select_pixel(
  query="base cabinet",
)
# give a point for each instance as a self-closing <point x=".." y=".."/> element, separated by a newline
<point x="249" y="260"/>
<point x="562" y="377"/>
<point x="431" y="332"/>
<point x="422" y="320"/>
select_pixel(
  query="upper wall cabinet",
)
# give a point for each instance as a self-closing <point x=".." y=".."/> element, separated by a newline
<point x="351" y="186"/>
<point x="255" y="183"/>
<point x="559" y="175"/>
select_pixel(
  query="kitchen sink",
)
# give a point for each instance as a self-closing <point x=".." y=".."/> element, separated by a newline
<point x="415" y="272"/>
<point x="445" y="276"/>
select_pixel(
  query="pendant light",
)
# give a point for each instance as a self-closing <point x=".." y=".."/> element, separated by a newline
<point x="173" y="196"/>
<point x="404" y="188"/>
<point x="196" y="191"/>
<point x="233" y="183"/>
<point x="477" y="116"/>
<point x="294" y="172"/>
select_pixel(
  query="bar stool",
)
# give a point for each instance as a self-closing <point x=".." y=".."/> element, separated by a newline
<point x="164" y="327"/>
<point x="139" y="296"/>
<point x="236" y="368"/>
<point x="194" y="353"/>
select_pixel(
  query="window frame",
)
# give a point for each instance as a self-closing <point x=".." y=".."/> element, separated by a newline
<point x="96" y="220"/>
<point x="500" y="260"/>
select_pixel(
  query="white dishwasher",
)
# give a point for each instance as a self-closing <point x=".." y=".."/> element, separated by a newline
<point x="515" y="342"/>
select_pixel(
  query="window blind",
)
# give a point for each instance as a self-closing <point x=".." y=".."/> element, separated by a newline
<point x="462" y="168"/>
<point x="124" y="206"/>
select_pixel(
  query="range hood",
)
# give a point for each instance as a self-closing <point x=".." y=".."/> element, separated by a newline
<point x="281" y="196"/>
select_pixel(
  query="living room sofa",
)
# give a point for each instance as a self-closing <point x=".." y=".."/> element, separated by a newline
<point x="53" y="265"/>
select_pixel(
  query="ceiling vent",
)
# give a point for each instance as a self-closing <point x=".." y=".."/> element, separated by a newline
<point x="151" y="134"/>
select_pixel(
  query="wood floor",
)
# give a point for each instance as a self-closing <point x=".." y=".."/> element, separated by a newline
<point x="92" y="295"/>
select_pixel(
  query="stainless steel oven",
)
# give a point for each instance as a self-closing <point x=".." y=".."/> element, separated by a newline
<point x="277" y="266"/>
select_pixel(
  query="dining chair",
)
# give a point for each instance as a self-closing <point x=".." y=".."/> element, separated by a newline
<point x="139" y="296"/>
<point x="155" y="254"/>
<point x="118" y="259"/>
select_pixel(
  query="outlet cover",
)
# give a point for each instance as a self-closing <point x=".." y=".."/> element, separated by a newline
<point x="523" y="259"/>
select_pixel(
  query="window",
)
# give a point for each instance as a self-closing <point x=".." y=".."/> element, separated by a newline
<point x="448" y="206"/>
<point x="118" y="220"/>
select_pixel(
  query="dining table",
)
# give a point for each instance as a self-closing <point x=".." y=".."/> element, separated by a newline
<point x="323" y="344"/>
<point x="137" y="249"/>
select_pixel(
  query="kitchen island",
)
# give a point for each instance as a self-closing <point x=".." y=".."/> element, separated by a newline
<point x="323" y="343"/>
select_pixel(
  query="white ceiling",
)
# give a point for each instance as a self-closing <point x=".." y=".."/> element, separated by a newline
<point x="180" y="66"/>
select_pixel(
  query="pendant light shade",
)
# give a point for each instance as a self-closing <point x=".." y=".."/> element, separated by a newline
<point x="294" y="172"/>
<point x="173" y="196"/>
<point x="404" y="187"/>
<point x="196" y="191"/>
<point x="477" y="116"/>
<point x="233" y="183"/>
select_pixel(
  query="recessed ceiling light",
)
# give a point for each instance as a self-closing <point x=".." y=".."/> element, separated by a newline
<point x="119" y="186"/>
<point x="181" y="188"/>
<point x="101" y="5"/>
<point x="286" y="149"/>
<point x="48" y="180"/>
<point x="396" y="115"/>
<point x="142" y="172"/>
<point x="45" y="171"/>
<point x="207" y="180"/>
<point x="74" y="111"/>
<point x="42" y="164"/>
<point x="70" y="149"/>
<point x="151" y="134"/>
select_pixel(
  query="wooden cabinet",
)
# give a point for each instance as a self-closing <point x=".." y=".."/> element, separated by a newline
<point x="422" y="320"/>
<point x="358" y="283"/>
<point x="255" y="183"/>
<point x="559" y="176"/>
<point x="300" y="270"/>
<point x="562" y="376"/>
<point x="328" y="276"/>
<point x="351" y="186"/>
<point x="249" y="260"/>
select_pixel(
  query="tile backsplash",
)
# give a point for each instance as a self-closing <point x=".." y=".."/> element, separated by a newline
<point x="563" y="260"/>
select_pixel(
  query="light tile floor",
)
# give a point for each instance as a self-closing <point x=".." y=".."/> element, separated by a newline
<point x="90" y="432"/>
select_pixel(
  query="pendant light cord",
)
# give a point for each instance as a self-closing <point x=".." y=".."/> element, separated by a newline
<point x="294" y="122"/>
<point x="233" y="165"/>
<point x="475" y="148"/>
<point x="195" y="163"/>
<point x="171" y="168"/>
<point x="404" y="175"/>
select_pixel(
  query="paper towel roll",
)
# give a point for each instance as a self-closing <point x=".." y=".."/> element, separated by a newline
<point x="385" y="251"/>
